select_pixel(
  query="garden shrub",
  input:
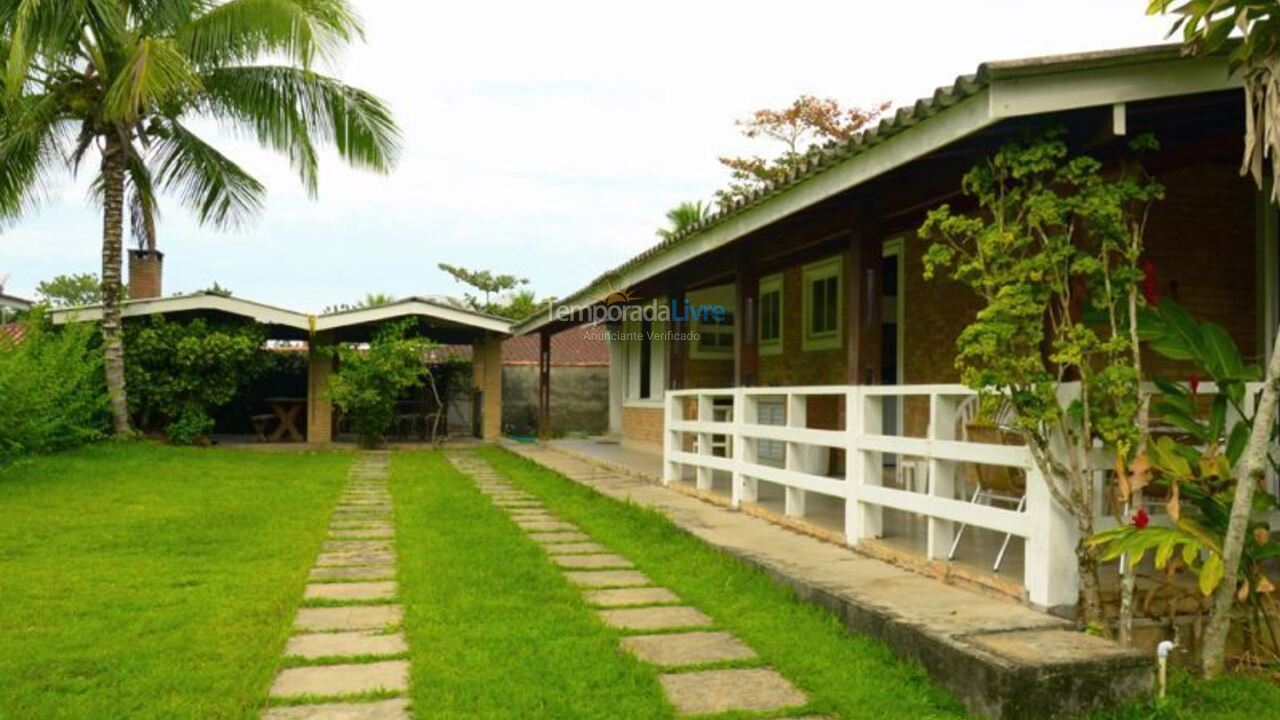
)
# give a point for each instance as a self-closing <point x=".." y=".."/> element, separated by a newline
<point x="178" y="373"/>
<point x="52" y="392"/>
<point x="372" y="378"/>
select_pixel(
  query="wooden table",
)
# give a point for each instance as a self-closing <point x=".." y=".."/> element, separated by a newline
<point x="287" y="409"/>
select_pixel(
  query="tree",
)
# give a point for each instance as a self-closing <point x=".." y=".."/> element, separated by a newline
<point x="120" y="79"/>
<point x="371" y="379"/>
<point x="216" y="289"/>
<point x="1053" y="253"/>
<point x="682" y="218"/>
<point x="71" y="290"/>
<point x="1206" y="27"/>
<point x="485" y="281"/>
<point x="805" y="125"/>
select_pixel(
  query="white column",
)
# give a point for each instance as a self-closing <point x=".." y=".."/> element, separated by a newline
<point x="706" y="414"/>
<point x="672" y="413"/>
<point x="617" y="379"/>
<point x="1052" y="577"/>
<point x="798" y="454"/>
<point x="743" y="450"/>
<point x="869" y="519"/>
<point x="942" y="473"/>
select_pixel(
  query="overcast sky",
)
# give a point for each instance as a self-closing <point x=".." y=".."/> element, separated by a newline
<point x="547" y="139"/>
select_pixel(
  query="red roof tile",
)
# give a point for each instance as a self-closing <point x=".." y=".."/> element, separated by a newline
<point x="583" y="346"/>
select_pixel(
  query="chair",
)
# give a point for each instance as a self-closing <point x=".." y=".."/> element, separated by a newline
<point x="995" y="484"/>
<point x="260" y="424"/>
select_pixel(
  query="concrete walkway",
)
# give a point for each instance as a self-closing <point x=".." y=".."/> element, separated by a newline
<point x="347" y="657"/>
<point x="1002" y="659"/>
<point x="659" y="628"/>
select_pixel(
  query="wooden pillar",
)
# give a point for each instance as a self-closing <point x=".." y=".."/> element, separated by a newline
<point x="746" y="346"/>
<point x="320" y="368"/>
<point x="486" y="380"/>
<point x="544" y="385"/>
<point x="676" y="349"/>
<point x="862" y="298"/>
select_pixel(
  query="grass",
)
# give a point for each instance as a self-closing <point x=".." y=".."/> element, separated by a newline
<point x="145" y="581"/>
<point x="845" y="675"/>
<point x="494" y="630"/>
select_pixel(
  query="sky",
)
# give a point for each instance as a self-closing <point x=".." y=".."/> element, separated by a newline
<point x="548" y="139"/>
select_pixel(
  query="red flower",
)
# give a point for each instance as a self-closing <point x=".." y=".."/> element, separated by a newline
<point x="1150" y="283"/>
<point x="1194" y="382"/>
<point x="1140" y="519"/>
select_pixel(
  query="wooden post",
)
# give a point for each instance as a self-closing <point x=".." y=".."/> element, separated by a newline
<point x="676" y="348"/>
<point x="746" y="346"/>
<point x="544" y="385"/>
<point x="486" y="379"/>
<point x="862" y="298"/>
<point x="319" y="406"/>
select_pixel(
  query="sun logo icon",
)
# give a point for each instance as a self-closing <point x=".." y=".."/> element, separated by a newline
<point x="615" y="296"/>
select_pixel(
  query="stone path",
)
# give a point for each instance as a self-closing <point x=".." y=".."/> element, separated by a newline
<point x="347" y="657"/>
<point x="705" y="670"/>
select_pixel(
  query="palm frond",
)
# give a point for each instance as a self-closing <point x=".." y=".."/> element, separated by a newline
<point x="216" y="189"/>
<point x="156" y="74"/>
<point x="288" y="109"/>
<point x="143" y="209"/>
<point x="245" y="30"/>
<point x="30" y="148"/>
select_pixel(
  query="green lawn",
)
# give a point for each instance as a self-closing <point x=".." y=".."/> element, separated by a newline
<point x="146" y="581"/>
<point x="494" y="630"/>
<point x="846" y="676"/>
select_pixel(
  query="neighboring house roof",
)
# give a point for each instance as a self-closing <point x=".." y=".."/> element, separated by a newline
<point x="300" y="322"/>
<point x="12" y="332"/>
<point x="582" y="346"/>
<point x="997" y="91"/>
<point x="13" y="302"/>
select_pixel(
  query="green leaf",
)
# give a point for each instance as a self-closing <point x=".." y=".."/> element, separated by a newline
<point x="1236" y="442"/>
<point x="1211" y="574"/>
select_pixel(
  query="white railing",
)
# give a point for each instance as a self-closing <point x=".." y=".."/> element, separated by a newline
<point x="724" y="433"/>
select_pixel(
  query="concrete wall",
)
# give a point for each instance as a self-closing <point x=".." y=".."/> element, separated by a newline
<point x="579" y="399"/>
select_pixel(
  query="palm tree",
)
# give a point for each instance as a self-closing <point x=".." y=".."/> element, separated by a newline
<point x="123" y="78"/>
<point x="683" y="217"/>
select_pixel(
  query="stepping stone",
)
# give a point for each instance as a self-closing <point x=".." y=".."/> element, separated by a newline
<point x="654" y="618"/>
<point x="717" y="691"/>
<point x="351" y="591"/>
<point x="572" y="548"/>
<point x="608" y="578"/>
<point x="545" y="525"/>
<point x="345" y="644"/>
<point x="359" y="525"/>
<point x="354" y="572"/>
<point x="356" y="557"/>
<point x="539" y="516"/>
<point x="355" y="617"/>
<point x="361" y="533"/>
<point x="558" y="537"/>
<point x="357" y="546"/>
<point x="338" y="680"/>
<point x="592" y="562"/>
<point x="393" y="709"/>
<point x="622" y="597"/>
<point x="695" y="648"/>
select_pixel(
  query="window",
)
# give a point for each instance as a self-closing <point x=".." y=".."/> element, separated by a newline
<point x="770" y="333"/>
<point x="822" y="304"/>
<point x="712" y="318"/>
<point x="644" y="361"/>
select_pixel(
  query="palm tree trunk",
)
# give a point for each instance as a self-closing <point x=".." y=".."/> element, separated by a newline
<point x="112" y="252"/>
<point x="1249" y="471"/>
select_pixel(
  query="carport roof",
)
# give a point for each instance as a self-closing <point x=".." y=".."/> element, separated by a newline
<point x="347" y="324"/>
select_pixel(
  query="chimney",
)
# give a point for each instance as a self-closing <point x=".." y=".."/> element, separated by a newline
<point x="145" y="270"/>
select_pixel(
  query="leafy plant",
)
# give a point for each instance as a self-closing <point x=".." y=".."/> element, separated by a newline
<point x="1199" y="473"/>
<point x="71" y="290"/>
<point x="119" y="82"/>
<point x="1052" y="235"/>
<point x="51" y="391"/>
<point x="372" y="378"/>
<point x="180" y="372"/>
<point x="520" y="304"/>
<point x="682" y="218"/>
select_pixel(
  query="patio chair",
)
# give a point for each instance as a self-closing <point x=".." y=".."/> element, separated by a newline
<point x="995" y="484"/>
<point x="260" y="425"/>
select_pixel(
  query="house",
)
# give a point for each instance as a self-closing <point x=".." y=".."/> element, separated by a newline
<point x="11" y="305"/>
<point x="824" y="394"/>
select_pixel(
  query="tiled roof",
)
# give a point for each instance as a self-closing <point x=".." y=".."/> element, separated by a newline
<point x="582" y="346"/>
<point x="821" y="159"/>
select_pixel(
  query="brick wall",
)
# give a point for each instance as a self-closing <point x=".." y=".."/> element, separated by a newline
<point x="642" y="426"/>
<point x="793" y="366"/>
